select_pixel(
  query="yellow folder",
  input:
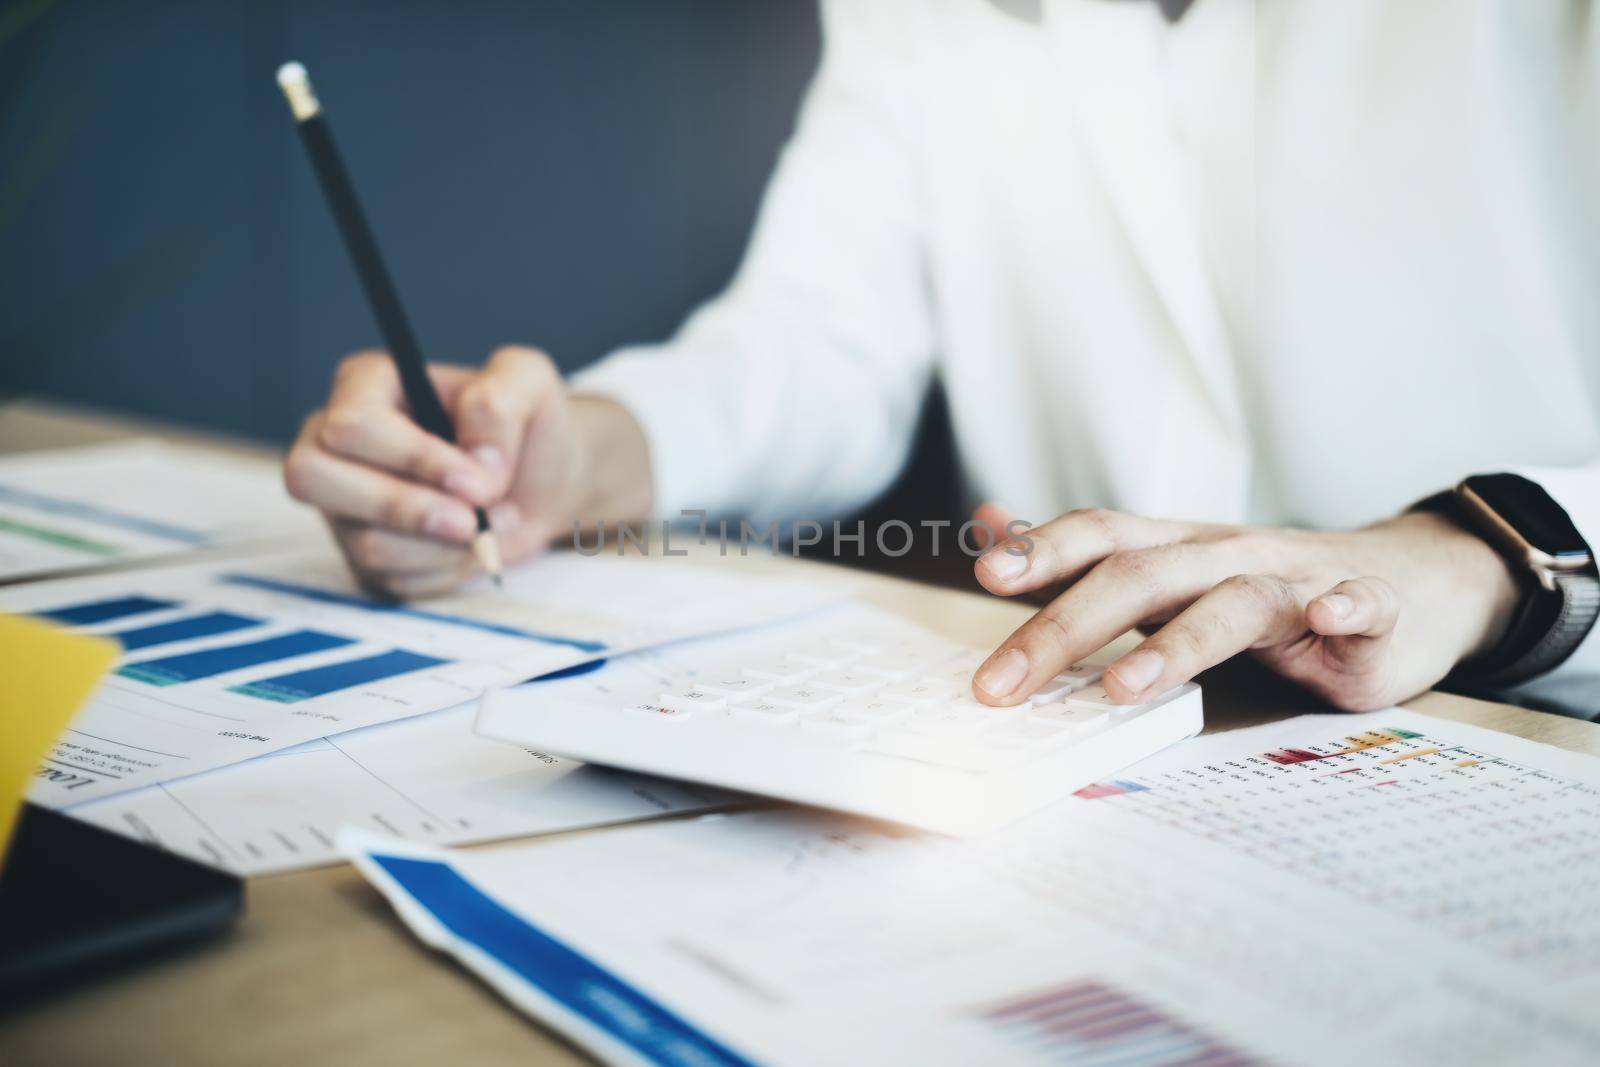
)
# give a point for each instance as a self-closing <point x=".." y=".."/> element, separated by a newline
<point x="45" y="676"/>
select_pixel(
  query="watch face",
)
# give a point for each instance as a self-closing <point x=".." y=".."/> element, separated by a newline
<point x="1532" y="512"/>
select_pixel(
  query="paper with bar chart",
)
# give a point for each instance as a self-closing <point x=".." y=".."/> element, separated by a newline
<point x="1327" y="890"/>
<point x="85" y="507"/>
<point x="428" y="778"/>
<point x="226" y="662"/>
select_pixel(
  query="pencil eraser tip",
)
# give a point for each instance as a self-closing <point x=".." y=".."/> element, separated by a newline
<point x="291" y="74"/>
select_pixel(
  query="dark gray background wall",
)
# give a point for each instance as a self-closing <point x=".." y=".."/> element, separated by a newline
<point x="575" y="174"/>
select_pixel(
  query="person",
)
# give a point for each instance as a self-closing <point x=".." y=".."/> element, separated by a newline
<point x="1277" y="272"/>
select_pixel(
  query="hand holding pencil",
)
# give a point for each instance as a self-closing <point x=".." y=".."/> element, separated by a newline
<point x="421" y="396"/>
<point x="430" y="473"/>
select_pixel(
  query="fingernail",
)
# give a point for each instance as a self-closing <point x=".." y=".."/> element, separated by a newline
<point x="449" y="524"/>
<point x="467" y="483"/>
<point x="505" y="517"/>
<point x="1001" y="675"/>
<point x="1005" y="564"/>
<point x="492" y="458"/>
<point x="1339" y="605"/>
<point x="1138" y="671"/>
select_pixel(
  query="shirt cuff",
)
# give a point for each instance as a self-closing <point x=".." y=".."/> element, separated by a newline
<point x="683" y="430"/>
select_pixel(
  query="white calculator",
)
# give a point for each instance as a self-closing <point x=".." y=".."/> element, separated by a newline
<point x="852" y="709"/>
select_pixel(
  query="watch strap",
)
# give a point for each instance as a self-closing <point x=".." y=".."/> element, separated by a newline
<point x="1548" y="626"/>
<point x="1545" y="645"/>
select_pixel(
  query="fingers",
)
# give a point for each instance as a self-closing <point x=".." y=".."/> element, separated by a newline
<point x="1064" y="548"/>
<point x="402" y="565"/>
<point x="1112" y="598"/>
<point x="352" y="491"/>
<point x="1357" y="618"/>
<point x="494" y="411"/>
<point x="1243" y="612"/>
<point x="365" y="422"/>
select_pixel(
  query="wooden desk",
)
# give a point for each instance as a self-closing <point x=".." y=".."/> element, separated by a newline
<point x="319" y="970"/>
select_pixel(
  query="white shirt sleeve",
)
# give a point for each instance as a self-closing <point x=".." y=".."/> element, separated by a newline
<point x="794" y="394"/>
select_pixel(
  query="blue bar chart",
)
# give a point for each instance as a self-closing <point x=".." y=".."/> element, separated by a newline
<point x="319" y="681"/>
<point x="194" y="665"/>
<point x="211" y="624"/>
<point x="206" y="663"/>
<point x="98" y="611"/>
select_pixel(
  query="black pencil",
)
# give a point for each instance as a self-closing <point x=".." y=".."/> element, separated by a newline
<point x="424" y="401"/>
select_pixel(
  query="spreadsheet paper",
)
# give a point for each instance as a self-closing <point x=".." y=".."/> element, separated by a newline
<point x="1386" y="887"/>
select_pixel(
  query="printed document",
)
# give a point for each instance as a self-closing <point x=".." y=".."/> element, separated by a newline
<point x="76" y="508"/>
<point x="1385" y="888"/>
<point x="225" y="662"/>
<point x="428" y="779"/>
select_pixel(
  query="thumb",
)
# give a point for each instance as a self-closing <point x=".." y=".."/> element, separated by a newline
<point x="1356" y="618"/>
<point x="493" y="411"/>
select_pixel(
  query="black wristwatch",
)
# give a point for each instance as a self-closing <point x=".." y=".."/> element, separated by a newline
<point x="1561" y="586"/>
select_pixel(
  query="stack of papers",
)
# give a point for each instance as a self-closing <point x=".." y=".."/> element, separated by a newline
<point x="263" y="702"/>
<point x="1326" y="890"/>
<point x="78" y="508"/>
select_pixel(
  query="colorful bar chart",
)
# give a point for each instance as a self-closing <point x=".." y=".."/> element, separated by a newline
<point x="1091" y="1024"/>
<point x="318" y="681"/>
<point x="1287" y="757"/>
<point x="211" y="624"/>
<point x="1114" y="788"/>
<point x="192" y="666"/>
<point x="98" y="611"/>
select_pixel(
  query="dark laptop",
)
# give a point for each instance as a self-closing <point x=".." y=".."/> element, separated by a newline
<point x="76" y="900"/>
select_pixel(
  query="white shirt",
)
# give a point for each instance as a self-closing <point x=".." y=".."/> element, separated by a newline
<point x="1296" y="263"/>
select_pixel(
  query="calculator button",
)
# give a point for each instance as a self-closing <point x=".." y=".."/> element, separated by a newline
<point x="956" y="677"/>
<point x="777" y="669"/>
<point x="971" y="707"/>
<point x="658" y="711"/>
<point x="1084" y="674"/>
<point x="917" y="691"/>
<point x="892" y="665"/>
<point x="849" y="682"/>
<point x="760" y="711"/>
<point x="731" y="685"/>
<point x="1093" y="697"/>
<point x="802" y="697"/>
<point x="1078" y="718"/>
<point x="876" y="712"/>
<point x="1055" y="689"/>
<point x="943" y="722"/>
<point x="690" y="699"/>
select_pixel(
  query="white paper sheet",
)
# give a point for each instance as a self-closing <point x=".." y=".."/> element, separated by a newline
<point x="1420" y="896"/>
<point x="85" y="507"/>
<point x="428" y="779"/>
<point x="290" y="653"/>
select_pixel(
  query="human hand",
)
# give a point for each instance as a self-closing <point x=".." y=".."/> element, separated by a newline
<point x="1363" y="618"/>
<point x="400" y="500"/>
